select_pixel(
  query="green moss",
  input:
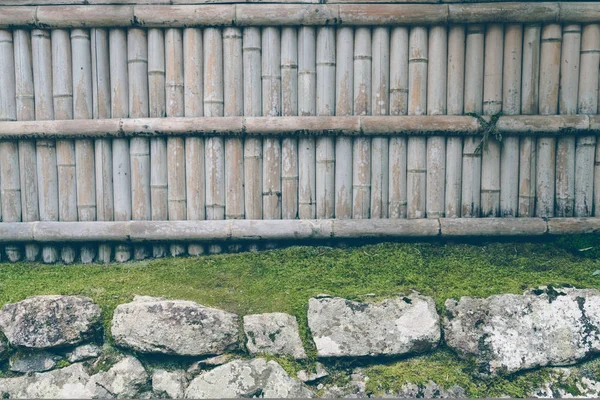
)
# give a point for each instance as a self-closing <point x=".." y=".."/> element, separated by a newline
<point x="284" y="280"/>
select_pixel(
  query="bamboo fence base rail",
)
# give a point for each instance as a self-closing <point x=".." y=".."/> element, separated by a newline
<point x="274" y="230"/>
<point x="418" y="125"/>
<point x="174" y="16"/>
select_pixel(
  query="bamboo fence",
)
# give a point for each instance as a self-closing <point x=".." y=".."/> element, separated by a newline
<point x="136" y="130"/>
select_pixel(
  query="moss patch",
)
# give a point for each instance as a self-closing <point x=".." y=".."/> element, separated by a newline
<point x="284" y="280"/>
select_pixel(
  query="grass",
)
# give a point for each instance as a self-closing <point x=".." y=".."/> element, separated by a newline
<point x="284" y="280"/>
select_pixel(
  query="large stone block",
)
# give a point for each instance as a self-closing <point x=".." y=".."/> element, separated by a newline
<point x="156" y="325"/>
<point x="344" y="328"/>
<point x="273" y="333"/>
<point x="508" y="333"/>
<point x="49" y="321"/>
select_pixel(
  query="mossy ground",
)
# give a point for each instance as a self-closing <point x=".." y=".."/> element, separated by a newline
<point x="283" y="280"/>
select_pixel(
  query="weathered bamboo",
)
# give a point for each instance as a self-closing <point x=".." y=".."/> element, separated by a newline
<point x="47" y="172"/>
<point x="251" y="43"/>
<point x="289" y="107"/>
<point x="26" y="112"/>
<point x="119" y="99"/>
<point x="159" y="197"/>
<point x="417" y="105"/>
<point x="587" y="104"/>
<point x="103" y="149"/>
<point x="137" y="60"/>
<point x="436" y="105"/>
<point x="249" y="230"/>
<point x="193" y="80"/>
<point x="234" y="106"/>
<point x="492" y="105"/>
<point x="455" y="106"/>
<point x="361" y="152"/>
<point x="213" y="107"/>
<point x="307" y="92"/>
<point x="325" y="106"/>
<point x="84" y="149"/>
<point x="529" y="105"/>
<point x="398" y="106"/>
<point x="565" y="149"/>
<point x="62" y="93"/>
<point x="473" y="103"/>
<point x="344" y="84"/>
<point x="271" y="89"/>
<point x="549" y="78"/>
<point x="10" y="184"/>
<point x="174" y="82"/>
<point x="511" y="99"/>
<point x="380" y="106"/>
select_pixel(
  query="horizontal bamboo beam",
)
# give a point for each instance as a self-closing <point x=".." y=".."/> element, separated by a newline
<point x="196" y="2"/>
<point x="174" y="15"/>
<point x="253" y="230"/>
<point x="445" y="125"/>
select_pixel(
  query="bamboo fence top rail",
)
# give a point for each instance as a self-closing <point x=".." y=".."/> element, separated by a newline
<point x="448" y="125"/>
<point x="86" y="16"/>
<point x="323" y="229"/>
<point x="193" y="2"/>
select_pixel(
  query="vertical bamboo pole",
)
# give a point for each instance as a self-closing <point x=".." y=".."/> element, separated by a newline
<point x="436" y="105"/>
<point x="10" y="184"/>
<point x="159" y="196"/>
<point x="175" y="145"/>
<point x="62" y="92"/>
<point x="325" y="145"/>
<point x="26" y="112"/>
<point x="289" y="107"/>
<point x="193" y="78"/>
<point x="344" y="83"/>
<point x="398" y="106"/>
<point x="85" y="170"/>
<point x="548" y="105"/>
<point x="380" y="98"/>
<point x="417" y="105"/>
<point x="529" y="105"/>
<point x="234" y="106"/>
<point x="509" y="157"/>
<point x="492" y="104"/>
<point x="588" y="104"/>
<point x="252" y="107"/>
<point x="213" y="107"/>
<point x="47" y="171"/>
<point x="137" y="60"/>
<point x="455" y="106"/>
<point x="565" y="147"/>
<point x="307" y="92"/>
<point x="119" y="108"/>
<point x="361" y="150"/>
<point x="473" y="103"/>
<point x="103" y="148"/>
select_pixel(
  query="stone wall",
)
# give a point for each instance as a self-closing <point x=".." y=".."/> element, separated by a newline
<point x="53" y="346"/>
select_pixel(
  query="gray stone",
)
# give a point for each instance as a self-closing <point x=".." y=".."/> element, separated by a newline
<point x="430" y="390"/>
<point x="344" y="328"/>
<point x="38" y="361"/>
<point x="355" y="388"/>
<point x="509" y="333"/>
<point x="4" y="349"/>
<point x="49" y="321"/>
<point x="65" y="383"/>
<point x="273" y="333"/>
<point x="125" y="379"/>
<point x="156" y="325"/>
<point x="84" y="352"/>
<point x="169" y="384"/>
<point x="207" y="363"/>
<point x="311" y="376"/>
<point x="252" y="378"/>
